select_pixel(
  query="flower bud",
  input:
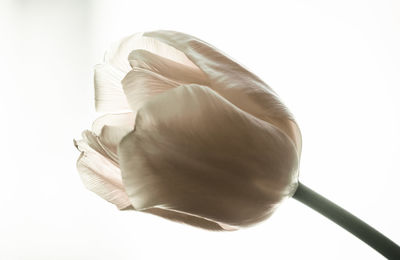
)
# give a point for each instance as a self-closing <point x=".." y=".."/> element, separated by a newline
<point x="194" y="137"/>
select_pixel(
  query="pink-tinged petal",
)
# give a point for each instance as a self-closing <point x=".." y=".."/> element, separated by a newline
<point x="193" y="151"/>
<point x="110" y="138"/>
<point x="185" y="218"/>
<point x="141" y="84"/>
<point x="101" y="176"/>
<point x="109" y="186"/>
<point x="235" y="83"/>
<point x="176" y="71"/>
<point x="152" y="74"/>
<point x="118" y="53"/>
<point x="92" y="140"/>
<point x="109" y="96"/>
<point x="124" y="120"/>
<point x="108" y="131"/>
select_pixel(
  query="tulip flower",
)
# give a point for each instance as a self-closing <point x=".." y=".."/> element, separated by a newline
<point x="189" y="135"/>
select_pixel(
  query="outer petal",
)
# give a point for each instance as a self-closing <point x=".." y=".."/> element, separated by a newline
<point x="124" y="120"/>
<point x="153" y="74"/>
<point x="185" y="218"/>
<point x="98" y="164"/>
<point x="108" y="131"/>
<point x="109" y="96"/>
<point x="109" y="139"/>
<point x="194" y="152"/>
<point x="241" y="87"/>
<point x="117" y="55"/>
<point x="168" y="68"/>
<point x="101" y="176"/>
<point x="141" y="84"/>
<point x="92" y="141"/>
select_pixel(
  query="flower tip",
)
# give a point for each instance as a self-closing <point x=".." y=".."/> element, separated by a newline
<point x="75" y="143"/>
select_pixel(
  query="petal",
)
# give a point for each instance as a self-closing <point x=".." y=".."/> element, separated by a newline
<point x="109" y="130"/>
<point x="109" y="96"/>
<point x="90" y="139"/>
<point x="94" y="178"/>
<point x="153" y="74"/>
<point x="101" y="176"/>
<point x="125" y="120"/>
<point x="141" y="84"/>
<point x="185" y="218"/>
<point x="168" y="68"/>
<point x="110" y="137"/>
<point x="194" y="152"/>
<point x="235" y="83"/>
<point x="118" y="53"/>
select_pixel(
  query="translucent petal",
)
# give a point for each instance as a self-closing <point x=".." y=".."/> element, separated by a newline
<point x="194" y="152"/>
<point x="101" y="176"/>
<point x="108" y="131"/>
<point x="118" y="53"/>
<point x="141" y="84"/>
<point x="125" y="120"/>
<point x="108" y="76"/>
<point x="186" y="218"/>
<point x="110" y="137"/>
<point x="153" y="74"/>
<point x="234" y="82"/>
<point x="98" y="164"/>
<point x="109" y="96"/>
<point x="168" y="68"/>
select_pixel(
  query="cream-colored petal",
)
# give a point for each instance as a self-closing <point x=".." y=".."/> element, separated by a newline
<point x="193" y="151"/>
<point x="227" y="227"/>
<point x="110" y="137"/>
<point x="168" y="68"/>
<point x="108" y="89"/>
<point x="108" y="130"/>
<point x="152" y="74"/>
<point x="124" y="120"/>
<point x="185" y="218"/>
<point x="118" y="53"/>
<point x="141" y="84"/>
<point x="101" y="176"/>
<point x="234" y="82"/>
<point x="109" y="96"/>
<point x="92" y="140"/>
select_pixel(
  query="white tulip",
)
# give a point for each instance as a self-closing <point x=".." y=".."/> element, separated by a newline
<point x="190" y="135"/>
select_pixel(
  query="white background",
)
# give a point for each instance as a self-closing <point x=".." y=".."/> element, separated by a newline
<point x="335" y="64"/>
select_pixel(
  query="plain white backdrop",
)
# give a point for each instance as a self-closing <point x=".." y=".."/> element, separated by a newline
<point x="335" y="64"/>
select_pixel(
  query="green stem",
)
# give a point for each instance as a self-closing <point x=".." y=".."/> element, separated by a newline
<point x="351" y="223"/>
